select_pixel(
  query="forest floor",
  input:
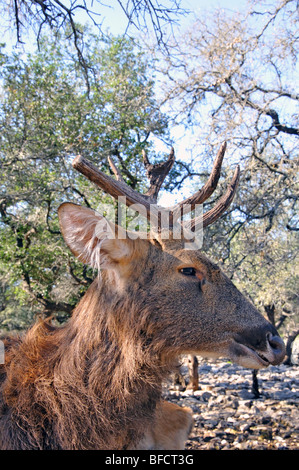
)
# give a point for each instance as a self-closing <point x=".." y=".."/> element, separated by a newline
<point x="228" y="416"/>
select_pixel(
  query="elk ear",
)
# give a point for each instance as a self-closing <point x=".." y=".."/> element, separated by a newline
<point x="92" y="238"/>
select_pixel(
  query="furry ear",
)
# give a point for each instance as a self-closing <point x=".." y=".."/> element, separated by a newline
<point x="92" y="238"/>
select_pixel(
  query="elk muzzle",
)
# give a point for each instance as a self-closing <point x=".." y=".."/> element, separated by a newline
<point x="258" y="348"/>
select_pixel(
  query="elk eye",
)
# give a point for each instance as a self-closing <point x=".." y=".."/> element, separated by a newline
<point x="188" y="271"/>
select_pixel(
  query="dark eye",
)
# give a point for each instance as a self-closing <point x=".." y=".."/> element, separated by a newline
<point x="188" y="271"/>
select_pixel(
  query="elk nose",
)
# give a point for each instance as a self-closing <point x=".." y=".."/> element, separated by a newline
<point x="277" y="348"/>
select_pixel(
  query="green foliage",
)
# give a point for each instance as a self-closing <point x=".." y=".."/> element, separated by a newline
<point x="48" y="115"/>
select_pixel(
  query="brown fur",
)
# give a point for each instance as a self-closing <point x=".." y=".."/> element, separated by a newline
<point x="95" y="383"/>
<point x="172" y="427"/>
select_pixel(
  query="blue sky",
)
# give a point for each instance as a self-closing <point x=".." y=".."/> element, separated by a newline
<point x="116" y="21"/>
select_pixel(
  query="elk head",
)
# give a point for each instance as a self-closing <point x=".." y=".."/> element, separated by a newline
<point x="191" y="305"/>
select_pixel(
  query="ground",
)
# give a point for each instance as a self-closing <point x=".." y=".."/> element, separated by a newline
<point x="228" y="416"/>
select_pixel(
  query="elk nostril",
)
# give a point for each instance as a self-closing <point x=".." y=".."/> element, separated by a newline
<point x="277" y="346"/>
<point x="274" y="341"/>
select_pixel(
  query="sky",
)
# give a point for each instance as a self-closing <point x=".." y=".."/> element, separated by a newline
<point x="115" y="19"/>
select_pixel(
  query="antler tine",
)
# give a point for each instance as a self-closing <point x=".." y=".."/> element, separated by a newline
<point x="224" y="202"/>
<point x="157" y="173"/>
<point x="207" y="190"/>
<point x="146" y="161"/>
<point x="115" y="169"/>
<point x="111" y="186"/>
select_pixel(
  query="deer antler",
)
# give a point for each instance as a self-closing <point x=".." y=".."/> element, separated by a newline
<point x="156" y="174"/>
<point x="213" y="214"/>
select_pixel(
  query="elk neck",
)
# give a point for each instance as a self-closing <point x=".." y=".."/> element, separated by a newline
<point x="112" y="355"/>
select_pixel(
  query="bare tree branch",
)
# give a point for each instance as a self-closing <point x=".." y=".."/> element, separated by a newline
<point x="56" y="14"/>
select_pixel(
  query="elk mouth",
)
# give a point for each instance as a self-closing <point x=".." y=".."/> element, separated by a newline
<point x="253" y="358"/>
<point x="246" y="355"/>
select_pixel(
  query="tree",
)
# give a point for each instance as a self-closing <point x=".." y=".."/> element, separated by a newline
<point x="231" y="77"/>
<point x="47" y="118"/>
<point x="57" y="15"/>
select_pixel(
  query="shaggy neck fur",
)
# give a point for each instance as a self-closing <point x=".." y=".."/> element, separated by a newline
<point x="92" y="384"/>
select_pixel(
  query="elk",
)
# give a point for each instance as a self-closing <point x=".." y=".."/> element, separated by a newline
<point x="95" y="382"/>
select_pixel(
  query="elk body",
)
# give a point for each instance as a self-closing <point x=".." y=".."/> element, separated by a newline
<point x="95" y="382"/>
